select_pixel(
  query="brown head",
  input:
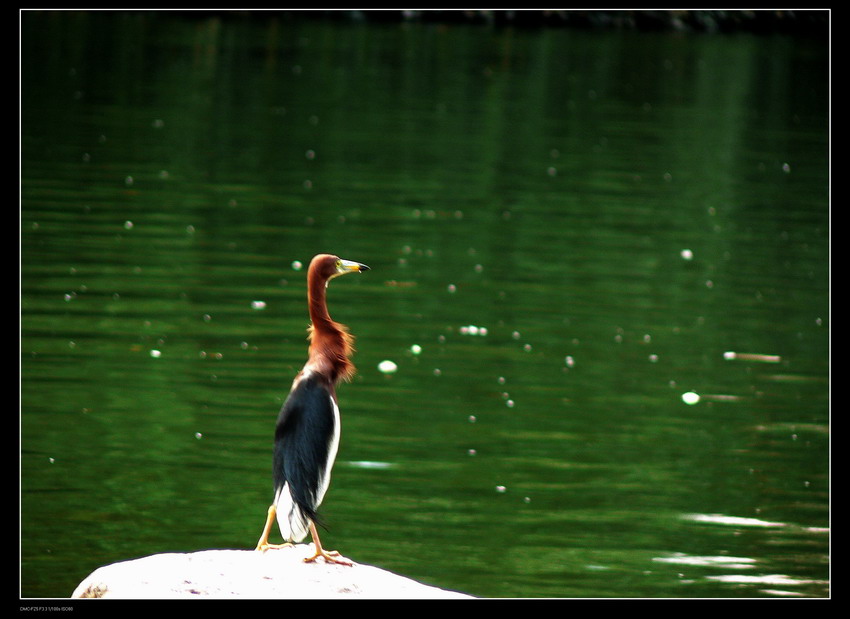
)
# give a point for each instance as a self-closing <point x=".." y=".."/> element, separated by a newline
<point x="324" y="267"/>
<point x="331" y="344"/>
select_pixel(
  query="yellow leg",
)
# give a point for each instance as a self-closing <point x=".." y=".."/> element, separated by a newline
<point x="331" y="556"/>
<point x="263" y="544"/>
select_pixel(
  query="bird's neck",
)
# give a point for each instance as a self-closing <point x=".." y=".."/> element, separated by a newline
<point x="330" y="342"/>
<point x="317" y="298"/>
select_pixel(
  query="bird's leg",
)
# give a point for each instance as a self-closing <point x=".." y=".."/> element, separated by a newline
<point x="263" y="544"/>
<point x="331" y="556"/>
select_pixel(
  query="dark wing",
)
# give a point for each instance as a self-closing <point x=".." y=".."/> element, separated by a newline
<point x="305" y="427"/>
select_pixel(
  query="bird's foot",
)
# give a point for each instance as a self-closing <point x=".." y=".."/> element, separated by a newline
<point x="263" y="546"/>
<point x="330" y="556"/>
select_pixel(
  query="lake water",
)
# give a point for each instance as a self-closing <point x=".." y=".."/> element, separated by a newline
<point x="575" y="228"/>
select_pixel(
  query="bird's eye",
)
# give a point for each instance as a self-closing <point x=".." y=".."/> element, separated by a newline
<point x="338" y="265"/>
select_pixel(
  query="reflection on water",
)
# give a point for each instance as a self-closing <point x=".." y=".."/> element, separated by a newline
<point x="732" y="520"/>
<point x="567" y="231"/>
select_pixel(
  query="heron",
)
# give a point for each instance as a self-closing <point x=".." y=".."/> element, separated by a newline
<point x="308" y="426"/>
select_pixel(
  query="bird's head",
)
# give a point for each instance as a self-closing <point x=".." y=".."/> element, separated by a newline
<point x="327" y="266"/>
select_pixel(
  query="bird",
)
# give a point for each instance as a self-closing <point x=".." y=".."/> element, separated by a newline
<point x="308" y="426"/>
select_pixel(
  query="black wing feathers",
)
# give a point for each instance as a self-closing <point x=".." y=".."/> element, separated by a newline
<point x="304" y="429"/>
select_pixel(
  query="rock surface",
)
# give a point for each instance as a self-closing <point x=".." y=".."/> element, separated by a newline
<point x="277" y="573"/>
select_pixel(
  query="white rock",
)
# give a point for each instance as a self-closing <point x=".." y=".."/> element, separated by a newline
<point x="277" y="573"/>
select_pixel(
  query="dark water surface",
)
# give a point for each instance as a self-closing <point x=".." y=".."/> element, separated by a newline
<point x="575" y="228"/>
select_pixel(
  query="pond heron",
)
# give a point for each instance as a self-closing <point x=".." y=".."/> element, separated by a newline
<point x="307" y="431"/>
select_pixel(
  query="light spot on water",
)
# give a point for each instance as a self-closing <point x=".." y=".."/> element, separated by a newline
<point x="690" y="398"/>
<point x="731" y="355"/>
<point x="387" y="367"/>
<point x="725" y="562"/>
<point x="369" y="464"/>
<point x="736" y="521"/>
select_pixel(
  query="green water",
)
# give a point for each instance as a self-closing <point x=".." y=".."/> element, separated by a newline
<point x="616" y="210"/>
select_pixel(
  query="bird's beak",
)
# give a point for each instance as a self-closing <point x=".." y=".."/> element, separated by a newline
<point x="348" y="266"/>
